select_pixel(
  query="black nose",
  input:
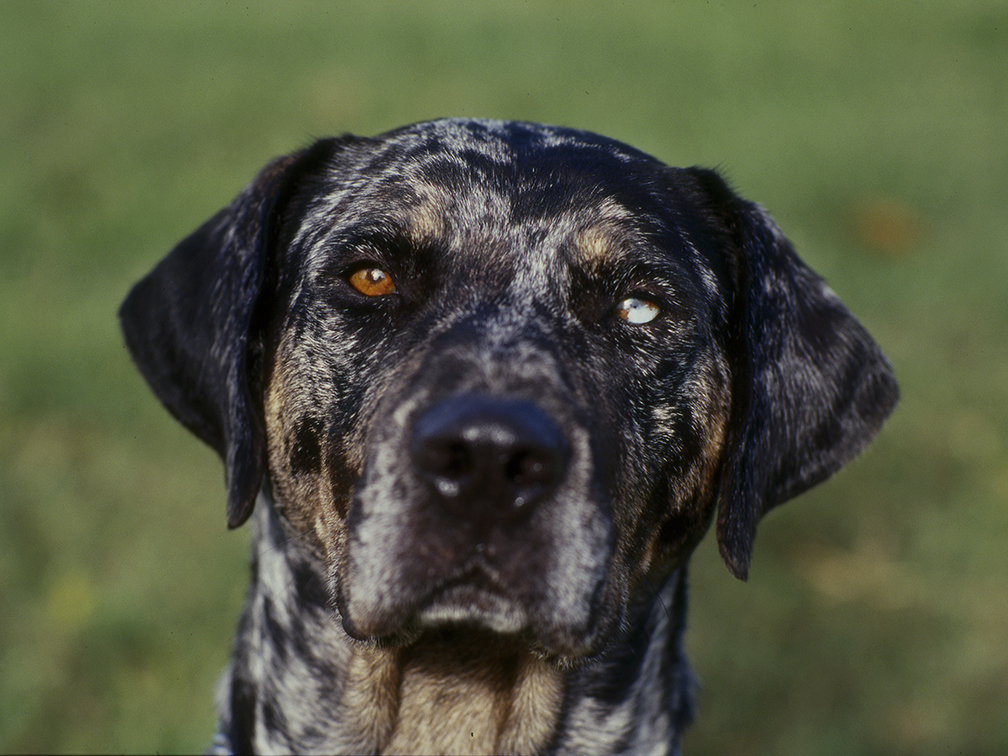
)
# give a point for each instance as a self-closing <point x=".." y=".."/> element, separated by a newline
<point x="489" y="459"/>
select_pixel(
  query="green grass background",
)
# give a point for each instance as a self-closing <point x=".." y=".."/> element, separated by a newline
<point x="876" y="617"/>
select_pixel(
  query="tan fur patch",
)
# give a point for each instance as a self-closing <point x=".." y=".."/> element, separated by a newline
<point x="596" y="243"/>
<point x="371" y="696"/>
<point x="711" y="399"/>
<point x="533" y="716"/>
<point x="694" y="491"/>
<point x="474" y="694"/>
<point x="425" y="220"/>
<point x="306" y="500"/>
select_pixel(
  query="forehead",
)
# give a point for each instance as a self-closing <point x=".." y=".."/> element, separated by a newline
<point x="458" y="183"/>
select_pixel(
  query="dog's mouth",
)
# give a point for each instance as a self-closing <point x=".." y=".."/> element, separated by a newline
<point x="476" y="597"/>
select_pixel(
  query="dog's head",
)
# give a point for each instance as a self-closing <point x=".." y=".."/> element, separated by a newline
<point x="502" y="373"/>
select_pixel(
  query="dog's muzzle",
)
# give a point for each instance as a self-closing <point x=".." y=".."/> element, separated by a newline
<point x="464" y="516"/>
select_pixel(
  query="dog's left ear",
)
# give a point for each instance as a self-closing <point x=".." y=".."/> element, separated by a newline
<point x="811" y="387"/>
<point x="187" y="325"/>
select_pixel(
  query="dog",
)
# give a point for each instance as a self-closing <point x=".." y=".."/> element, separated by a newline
<point x="481" y="388"/>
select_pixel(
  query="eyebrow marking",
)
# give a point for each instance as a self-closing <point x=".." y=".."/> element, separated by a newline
<point x="425" y="219"/>
<point x="597" y="242"/>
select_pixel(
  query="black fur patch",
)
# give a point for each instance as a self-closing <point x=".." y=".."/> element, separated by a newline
<point x="306" y="452"/>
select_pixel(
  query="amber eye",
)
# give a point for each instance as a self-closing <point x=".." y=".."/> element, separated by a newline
<point x="637" y="311"/>
<point x="372" y="282"/>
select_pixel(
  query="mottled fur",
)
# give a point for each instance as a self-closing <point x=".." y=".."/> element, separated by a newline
<point x="478" y="493"/>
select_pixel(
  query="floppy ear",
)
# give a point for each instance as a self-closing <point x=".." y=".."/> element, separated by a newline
<point x="811" y="386"/>
<point x="187" y="325"/>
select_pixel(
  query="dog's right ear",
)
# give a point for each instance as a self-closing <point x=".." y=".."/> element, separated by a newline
<point x="187" y="323"/>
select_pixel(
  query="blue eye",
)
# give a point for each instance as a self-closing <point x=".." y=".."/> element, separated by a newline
<point x="637" y="311"/>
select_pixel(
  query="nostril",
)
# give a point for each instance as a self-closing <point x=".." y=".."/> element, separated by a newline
<point x="529" y="468"/>
<point x="446" y="457"/>
<point x="447" y="464"/>
<point x="529" y="475"/>
<point x="458" y="460"/>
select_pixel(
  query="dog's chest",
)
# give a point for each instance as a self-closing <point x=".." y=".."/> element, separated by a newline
<point x="465" y="700"/>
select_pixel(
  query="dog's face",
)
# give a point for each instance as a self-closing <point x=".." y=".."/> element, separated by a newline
<point x="496" y="382"/>
<point x="503" y="374"/>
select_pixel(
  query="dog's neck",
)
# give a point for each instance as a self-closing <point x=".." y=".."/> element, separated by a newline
<point x="298" y="683"/>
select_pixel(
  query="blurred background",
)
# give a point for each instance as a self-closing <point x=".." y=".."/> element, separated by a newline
<point x="875" y="620"/>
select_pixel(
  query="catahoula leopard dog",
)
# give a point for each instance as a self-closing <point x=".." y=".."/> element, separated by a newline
<point x="482" y="387"/>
